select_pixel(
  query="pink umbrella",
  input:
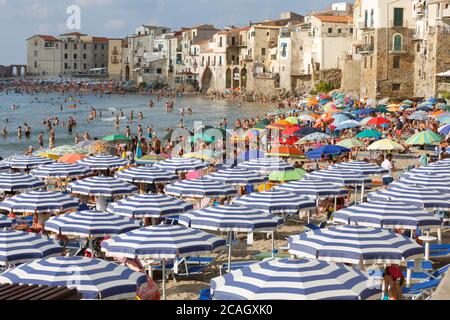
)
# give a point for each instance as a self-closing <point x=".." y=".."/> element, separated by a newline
<point x="193" y="175"/>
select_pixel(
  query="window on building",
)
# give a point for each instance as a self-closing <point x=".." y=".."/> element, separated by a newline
<point x="35" y="43"/>
<point x="330" y="30"/>
<point x="66" y="46"/>
<point x="220" y="60"/>
<point x="339" y="30"/>
<point x="35" y="64"/>
<point x="103" y="47"/>
<point x="220" y="42"/>
<point x="351" y="30"/>
<point x="284" y="50"/>
<point x="398" y="17"/>
<point x="84" y="66"/>
<point x="398" y="42"/>
<point x="75" y="46"/>
<point x="66" y="56"/>
<point x="95" y="46"/>
<point x="75" y="66"/>
<point x="214" y="61"/>
<point x="263" y="51"/>
<point x="74" y="55"/>
<point x="84" y="56"/>
<point x="268" y="33"/>
<point x="35" y="53"/>
<point x="396" y="86"/>
<point x="365" y="62"/>
<point x="233" y="41"/>
<point x="371" y="62"/>
<point x="84" y="46"/>
<point x="66" y="66"/>
<point x="396" y="63"/>
<point x="158" y="70"/>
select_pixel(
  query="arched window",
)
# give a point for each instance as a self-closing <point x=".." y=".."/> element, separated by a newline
<point x="398" y="42"/>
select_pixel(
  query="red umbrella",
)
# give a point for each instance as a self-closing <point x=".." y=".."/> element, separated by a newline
<point x="290" y="131"/>
<point x="378" y="121"/>
<point x="288" y="141"/>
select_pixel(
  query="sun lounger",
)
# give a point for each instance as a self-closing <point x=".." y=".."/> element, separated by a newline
<point x="421" y="290"/>
<point x="172" y="220"/>
<point x="195" y="265"/>
<point x="422" y="276"/>
<point x="313" y="227"/>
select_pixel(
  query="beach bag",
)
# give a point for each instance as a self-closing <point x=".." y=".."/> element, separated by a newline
<point x="149" y="291"/>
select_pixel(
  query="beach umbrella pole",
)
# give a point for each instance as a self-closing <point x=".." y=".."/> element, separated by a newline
<point x="273" y="244"/>
<point x="229" y="251"/>
<point x="142" y="188"/>
<point x="163" y="262"/>
<point x="362" y="193"/>
<point x="335" y="204"/>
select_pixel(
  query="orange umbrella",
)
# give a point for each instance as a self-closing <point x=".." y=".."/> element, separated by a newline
<point x="285" y="151"/>
<point x="437" y="113"/>
<point x="72" y="157"/>
<point x="283" y="123"/>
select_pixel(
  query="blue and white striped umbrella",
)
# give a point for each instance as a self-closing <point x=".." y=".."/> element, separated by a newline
<point x="421" y="196"/>
<point x="288" y="279"/>
<point x="6" y="222"/>
<point x="20" y="247"/>
<point x="266" y="165"/>
<point x="438" y="169"/>
<point x="199" y="188"/>
<point x="313" y="188"/>
<point x="237" y="177"/>
<point x="13" y="182"/>
<point x="4" y="166"/>
<point x="40" y="202"/>
<point x="361" y="167"/>
<point x="93" y="278"/>
<point x="101" y="186"/>
<point x="431" y="181"/>
<point x="276" y="201"/>
<point x="103" y="162"/>
<point x="28" y="162"/>
<point x="61" y="170"/>
<point x="230" y="218"/>
<point x="146" y="175"/>
<point x="149" y="206"/>
<point x="179" y="165"/>
<point x="345" y="177"/>
<point x="355" y="245"/>
<point x="88" y="224"/>
<point x="388" y="215"/>
<point x="162" y="242"/>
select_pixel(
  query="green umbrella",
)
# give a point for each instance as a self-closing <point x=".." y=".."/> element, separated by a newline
<point x="292" y="120"/>
<point x="368" y="134"/>
<point x="290" y="175"/>
<point x="382" y="108"/>
<point x="446" y="107"/>
<point x="203" y="137"/>
<point x="262" y="124"/>
<point x="424" y="138"/>
<point x="351" y="143"/>
<point x="117" y="138"/>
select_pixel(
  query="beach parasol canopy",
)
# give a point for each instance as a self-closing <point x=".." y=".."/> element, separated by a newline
<point x="93" y="278"/>
<point x="431" y="181"/>
<point x="369" y="134"/>
<point x="39" y="202"/>
<point x="378" y="121"/>
<point x="145" y="175"/>
<point x="14" y="182"/>
<point x="325" y="151"/>
<point x="250" y="155"/>
<point x="103" y="162"/>
<point x="27" y="162"/>
<point x="199" y="188"/>
<point x="262" y="124"/>
<point x="20" y="247"/>
<point x="6" y="222"/>
<point x="351" y="143"/>
<point x="424" y="138"/>
<point x="61" y="170"/>
<point x="289" y="279"/>
<point x="90" y="224"/>
<point x="289" y="175"/>
<point x="276" y="201"/>
<point x="285" y="151"/>
<point x="306" y="131"/>
<point x="149" y="206"/>
<point x="441" y="169"/>
<point x="290" y="131"/>
<point x="72" y="157"/>
<point x="101" y="147"/>
<point x="412" y="194"/>
<point x="237" y="177"/>
<point x="101" y="186"/>
<point x="444" y="130"/>
<point x="292" y="120"/>
<point x="117" y="139"/>
<point x="348" y="125"/>
<point x="180" y="165"/>
<point x="385" y="145"/>
<point x="387" y="215"/>
<point x="361" y="167"/>
<point x="344" y="177"/>
<point x="313" y="188"/>
<point x="419" y="116"/>
<point x="316" y="136"/>
<point x="355" y="245"/>
<point x="149" y="160"/>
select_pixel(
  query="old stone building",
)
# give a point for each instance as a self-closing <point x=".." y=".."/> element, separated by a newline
<point x="69" y="54"/>
<point x="115" y="58"/>
<point x="432" y="44"/>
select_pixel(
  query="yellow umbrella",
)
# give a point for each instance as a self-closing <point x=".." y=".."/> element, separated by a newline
<point x="50" y="155"/>
<point x="385" y="145"/>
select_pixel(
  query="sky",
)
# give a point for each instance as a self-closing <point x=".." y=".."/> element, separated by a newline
<point x="20" y="19"/>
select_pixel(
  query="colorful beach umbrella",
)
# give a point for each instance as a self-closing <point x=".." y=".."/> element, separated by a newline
<point x="289" y="175"/>
<point x="369" y="134"/>
<point x="385" y="145"/>
<point x="351" y="143"/>
<point x="378" y="121"/>
<point x="117" y="139"/>
<point x="424" y="138"/>
<point x="285" y="151"/>
<point x="328" y="150"/>
<point x="72" y="158"/>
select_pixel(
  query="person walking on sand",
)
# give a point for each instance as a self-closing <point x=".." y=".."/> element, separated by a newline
<point x="51" y="139"/>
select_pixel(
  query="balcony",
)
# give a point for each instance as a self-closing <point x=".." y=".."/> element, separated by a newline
<point x="365" y="26"/>
<point x="398" y="49"/>
<point x="238" y="45"/>
<point x="247" y="58"/>
<point x="365" y="49"/>
<point x="115" y="52"/>
<point x="402" y="24"/>
<point x="417" y="37"/>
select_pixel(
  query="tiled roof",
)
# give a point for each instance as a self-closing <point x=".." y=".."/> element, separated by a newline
<point x="335" y="19"/>
<point x="100" y="39"/>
